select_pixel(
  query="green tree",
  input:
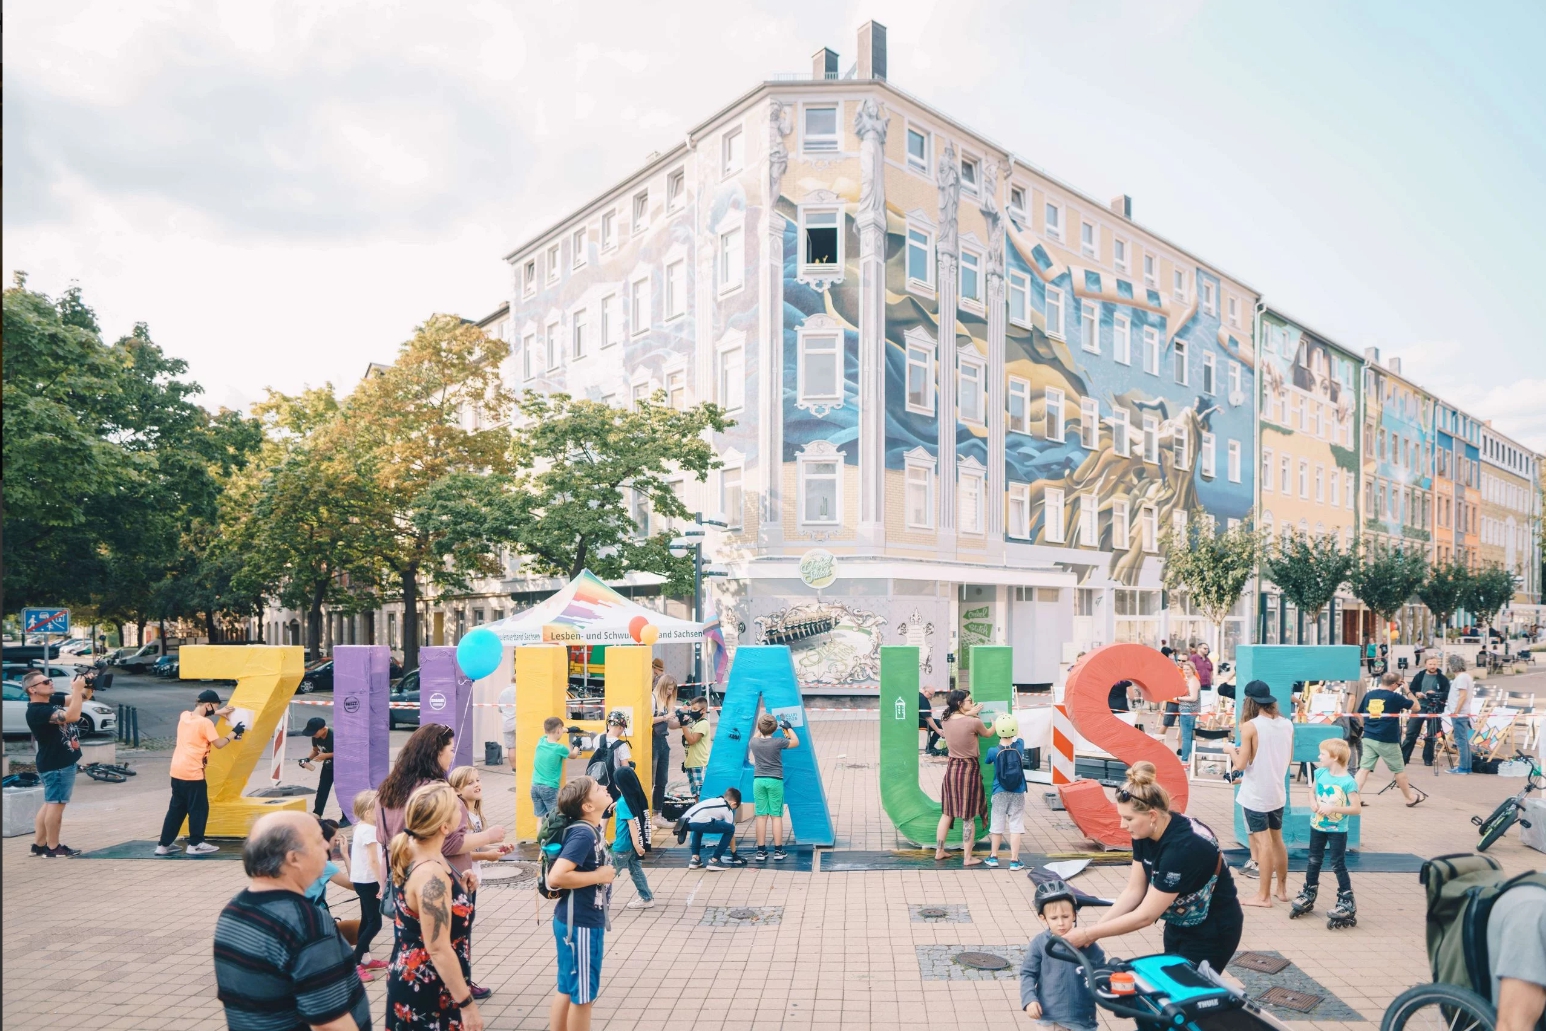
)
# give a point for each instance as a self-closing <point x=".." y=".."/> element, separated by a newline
<point x="1212" y="568"/>
<point x="1444" y="591"/>
<point x="1385" y="578"/>
<point x="587" y="461"/>
<point x="1308" y="570"/>
<point x="1488" y="590"/>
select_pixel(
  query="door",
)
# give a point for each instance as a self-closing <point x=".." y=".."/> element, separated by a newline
<point x="1036" y="632"/>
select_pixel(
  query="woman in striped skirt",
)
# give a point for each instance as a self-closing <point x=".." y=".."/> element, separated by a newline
<point x="962" y="796"/>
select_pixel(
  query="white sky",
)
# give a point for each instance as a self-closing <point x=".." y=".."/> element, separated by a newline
<point x="282" y="191"/>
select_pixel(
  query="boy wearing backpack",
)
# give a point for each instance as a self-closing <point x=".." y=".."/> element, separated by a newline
<point x="579" y="878"/>
<point x="1008" y="808"/>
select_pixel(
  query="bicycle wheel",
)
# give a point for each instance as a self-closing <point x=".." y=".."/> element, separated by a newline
<point x="1439" y="1007"/>
<point x="1498" y="824"/>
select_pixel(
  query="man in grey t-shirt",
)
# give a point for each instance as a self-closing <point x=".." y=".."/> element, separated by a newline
<point x="1516" y="944"/>
<point x="767" y="752"/>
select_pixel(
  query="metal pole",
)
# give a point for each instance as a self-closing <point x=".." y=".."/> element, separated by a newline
<point x="697" y="612"/>
<point x="134" y="718"/>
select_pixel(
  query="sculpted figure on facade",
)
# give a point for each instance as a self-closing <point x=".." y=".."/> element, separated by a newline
<point x="995" y="220"/>
<point x="779" y="126"/>
<point x="870" y="123"/>
<point x="949" y="201"/>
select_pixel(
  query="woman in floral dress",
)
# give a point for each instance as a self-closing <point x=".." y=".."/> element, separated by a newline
<point x="428" y="978"/>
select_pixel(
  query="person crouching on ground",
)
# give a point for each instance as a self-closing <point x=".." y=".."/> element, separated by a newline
<point x="961" y="794"/>
<point x="768" y="782"/>
<point x="196" y="734"/>
<point x="1052" y="990"/>
<point x="714" y="816"/>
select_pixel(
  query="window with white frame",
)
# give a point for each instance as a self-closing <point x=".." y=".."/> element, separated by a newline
<point x="1055" y="312"/>
<point x="529" y="277"/>
<point x="1089" y="520"/>
<point x="920" y="494"/>
<point x="1347" y="490"/>
<point x="1121" y="538"/>
<point x="1178" y="523"/>
<point x="1019" y="405"/>
<point x="920" y="256"/>
<point x="1208" y="455"/>
<point x="1235" y="390"/>
<point x="1053" y="215"/>
<point x="1178" y="284"/>
<point x="1052" y="514"/>
<point x="971" y="501"/>
<point x="1209" y="370"/>
<point x="1119" y="256"/>
<point x="641" y="211"/>
<point x="676" y="390"/>
<point x="1089" y="423"/>
<point x="609" y="229"/>
<point x="1320" y="483"/>
<point x="971" y="174"/>
<point x="732" y="260"/>
<point x="1089" y="240"/>
<point x="1266" y="470"/>
<point x="1052" y="403"/>
<point x="1017" y="199"/>
<point x="820" y="492"/>
<point x="1234" y="463"/>
<point x="1151" y="350"/>
<point x="732" y="378"/>
<point x="917" y="149"/>
<point x="1019" y="298"/>
<point x="578" y="334"/>
<point x="676" y="290"/>
<point x="1020" y="510"/>
<point x="555" y="353"/>
<point x="820" y="129"/>
<point x="971" y="276"/>
<point x="1089" y="327"/>
<point x="1210" y="296"/>
<point x="577" y="248"/>
<point x="1180" y="447"/>
<point x="1181" y="368"/>
<point x="553" y="264"/>
<point x="730" y="497"/>
<point x="1151" y="439"/>
<point x="821" y="243"/>
<point x="920" y="379"/>
<point x="1285" y="480"/>
<point x="1304" y="478"/>
<point x="821" y="367"/>
<point x="611" y="321"/>
<point x="676" y="190"/>
<point x="732" y="152"/>
<point x="1122" y="339"/>
<point x="1151" y="271"/>
<point x="1148" y="523"/>
<point x="969" y="395"/>
<point x="1232" y="307"/>
<point x="1120" y="431"/>
<point x="528" y="355"/>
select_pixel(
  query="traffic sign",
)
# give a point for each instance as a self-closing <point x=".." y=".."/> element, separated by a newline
<point x="46" y="621"/>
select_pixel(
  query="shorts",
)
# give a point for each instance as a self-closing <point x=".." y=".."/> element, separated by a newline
<point x="1007" y="813"/>
<point x="544" y="799"/>
<point x="1256" y="822"/>
<point x="58" y="785"/>
<point x="694" y="779"/>
<point x="768" y="792"/>
<point x="579" y="963"/>
<point x="509" y="741"/>
<point x="1374" y="751"/>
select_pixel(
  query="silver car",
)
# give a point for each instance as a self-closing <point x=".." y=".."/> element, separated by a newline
<point x="96" y="718"/>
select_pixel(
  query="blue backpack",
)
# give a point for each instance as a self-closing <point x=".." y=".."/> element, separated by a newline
<point x="1009" y="768"/>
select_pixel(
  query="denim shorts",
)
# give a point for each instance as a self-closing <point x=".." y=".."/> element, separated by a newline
<point x="544" y="799"/>
<point x="58" y="785"/>
<point x="1256" y="822"/>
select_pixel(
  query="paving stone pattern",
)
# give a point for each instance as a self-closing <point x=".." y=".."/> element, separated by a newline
<point x="938" y="963"/>
<point x="742" y="916"/>
<point x="939" y="913"/>
<point x="1295" y="980"/>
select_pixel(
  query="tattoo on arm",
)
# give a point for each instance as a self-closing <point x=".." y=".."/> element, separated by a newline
<point x="435" y="904"/>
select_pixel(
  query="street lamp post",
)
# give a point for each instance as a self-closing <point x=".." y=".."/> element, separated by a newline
<point x="692" y="540"/>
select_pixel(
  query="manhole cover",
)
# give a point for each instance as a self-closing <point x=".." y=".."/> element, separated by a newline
<point x="985" y="961"/>
<point x="1259" y="961"/>
<point x="933" y="912"/>
<point x="1304" y="1002"/>
<point x="743" y="914"/>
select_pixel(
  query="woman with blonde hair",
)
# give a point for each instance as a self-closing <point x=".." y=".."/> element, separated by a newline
<point x="429" y="978"/>
<point x="1178" y="876"/>
<point x="1186" y="716"/>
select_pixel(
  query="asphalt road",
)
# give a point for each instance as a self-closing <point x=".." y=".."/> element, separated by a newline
<point x="161" y="702"/>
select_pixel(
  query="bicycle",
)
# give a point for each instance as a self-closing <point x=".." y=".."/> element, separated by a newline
<point x="108" y="772"/>
<point x="1509" y="811"/>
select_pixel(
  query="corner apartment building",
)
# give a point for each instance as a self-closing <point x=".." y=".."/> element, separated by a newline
<point x="983" y="391"/>
<point x="1456" y="486"/>
<point x="1398" y="469"/>
<point x="1510" y="519"/>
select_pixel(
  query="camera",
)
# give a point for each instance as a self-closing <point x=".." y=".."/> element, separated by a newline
<point x="1231" y="776"/>
<point x="686" y="717"/>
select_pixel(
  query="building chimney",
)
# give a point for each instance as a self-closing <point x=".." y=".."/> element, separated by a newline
<point x="824" y="64"/>
<point x="1371" y="355"/>
<point x="1394" y="364"/>
<point x="872" y="50"/>
<point x="1122" y="205"/>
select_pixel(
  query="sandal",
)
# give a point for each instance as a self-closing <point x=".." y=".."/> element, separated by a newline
<point x="1421" y="796"/>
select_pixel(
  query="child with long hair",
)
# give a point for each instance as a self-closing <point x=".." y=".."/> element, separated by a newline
<point x="365" y="875"/>
<point x="633" y="835"/>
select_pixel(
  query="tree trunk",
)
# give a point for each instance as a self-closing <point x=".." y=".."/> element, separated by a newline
<point x="410" y="576"/>
<point x="139" y="631"/>
<point x="581" y="556"/>
<point x="210" y="630"/>
<point x="314" y="621"/>
<point x="118" y="626"/>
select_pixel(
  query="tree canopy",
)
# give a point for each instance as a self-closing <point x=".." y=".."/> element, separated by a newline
<point x="1213" y="568"/>
<point x="1444" y="590"/>
<point x="1308" y="570"/>
<point x="1385" y="578"/>
<point x="1487" y="591"/>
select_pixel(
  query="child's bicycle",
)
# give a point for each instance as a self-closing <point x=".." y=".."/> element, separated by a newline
<point x="1510" y="811"/>
<point x="108" y="772"/>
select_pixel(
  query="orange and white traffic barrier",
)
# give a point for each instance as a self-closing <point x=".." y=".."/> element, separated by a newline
<point x="1062" y="746"/>
<point x="276" y="765"/>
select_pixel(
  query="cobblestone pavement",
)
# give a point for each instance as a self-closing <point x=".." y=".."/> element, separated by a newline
<point x="126" y="943"/>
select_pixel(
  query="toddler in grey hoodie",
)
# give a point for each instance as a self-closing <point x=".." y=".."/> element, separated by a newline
<point x="1053" y="991"/>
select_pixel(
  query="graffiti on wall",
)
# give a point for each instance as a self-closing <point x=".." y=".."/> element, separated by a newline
<point x="832" y="643"/>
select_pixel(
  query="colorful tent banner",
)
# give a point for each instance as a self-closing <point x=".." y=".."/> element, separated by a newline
<point x="587" y="611"/>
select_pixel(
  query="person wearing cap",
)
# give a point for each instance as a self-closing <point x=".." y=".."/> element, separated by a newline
<point x="1265" y="749"/>
<point x="321" y="749"/>
<point x="1052" y="990"/>
<point x="196" y="734"/>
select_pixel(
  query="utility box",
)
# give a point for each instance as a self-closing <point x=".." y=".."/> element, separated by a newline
<point x="1535" y="815"/>
<point x="21" y="810"/>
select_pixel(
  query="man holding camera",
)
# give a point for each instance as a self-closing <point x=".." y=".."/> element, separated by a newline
<point x="1431" y="688"/>
<point x="190" y="792"/>
<point x="53" y="726"/>
<point x="322" y="751"/>
<point x="695" y="739"/>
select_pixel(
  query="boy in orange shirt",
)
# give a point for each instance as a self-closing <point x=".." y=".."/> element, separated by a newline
<point x="190" y="793"/>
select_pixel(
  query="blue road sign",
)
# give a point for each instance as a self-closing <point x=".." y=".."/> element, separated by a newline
<point x="46" y="621"/>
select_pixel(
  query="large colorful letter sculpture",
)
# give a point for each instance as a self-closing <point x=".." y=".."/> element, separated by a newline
<point x="266" y="678"/>
<point x="542" y="671"/>
<point x="362" y="691"/>
<point x="914" y="813"/>
<point x="766" y="672"/>
<point x="1281" y="666"/>
<point x="1085" y="696"/>
<point x="445" y="696"/>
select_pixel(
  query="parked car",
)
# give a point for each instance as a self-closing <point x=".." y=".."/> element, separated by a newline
<point x="166" y="667"/>
<point x="319" y="675"/>
<point x="28" y="652"/>
<point x="407" y="690"/>
<point x="62" y="675"/>
<point x="96" y="718"/>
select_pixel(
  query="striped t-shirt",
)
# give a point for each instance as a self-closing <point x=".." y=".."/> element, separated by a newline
<point x="281" y="965"/>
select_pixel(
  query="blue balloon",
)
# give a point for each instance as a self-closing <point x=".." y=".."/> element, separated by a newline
<point x="479" y="653"/>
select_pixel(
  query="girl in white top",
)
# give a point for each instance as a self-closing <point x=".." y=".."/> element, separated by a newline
<point x="1266" y="747"/>
<point x="365" y="874"/>
<point x="469" y="787"/>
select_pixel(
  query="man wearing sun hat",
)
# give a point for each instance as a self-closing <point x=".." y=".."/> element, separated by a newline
<point x="196" y="734"/>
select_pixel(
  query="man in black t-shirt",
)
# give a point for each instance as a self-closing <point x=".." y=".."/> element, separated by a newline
<point x="54" y="727"/>
<point x="1431" y="689"/>
<point x="322" y="749"/>
<point x="1381" y="711"/>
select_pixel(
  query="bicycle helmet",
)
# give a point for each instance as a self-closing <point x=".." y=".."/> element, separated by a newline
<point x="617" y="718"/>
<point x="1053" y="891"/>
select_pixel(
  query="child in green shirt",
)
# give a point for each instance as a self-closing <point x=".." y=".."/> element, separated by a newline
<point x="547" y="768"/>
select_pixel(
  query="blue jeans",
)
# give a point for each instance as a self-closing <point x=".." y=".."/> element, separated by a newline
<point x="1188" y="722"/>
<point x="625" y="858"/>
<point x="1462" y="732"/>
<point x="544" y="799"/>
<point x="725" y="831"/>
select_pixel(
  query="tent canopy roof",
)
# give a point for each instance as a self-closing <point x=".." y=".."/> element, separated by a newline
<point x="587" y="611"/>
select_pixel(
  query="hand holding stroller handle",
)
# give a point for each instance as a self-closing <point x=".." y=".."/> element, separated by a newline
<point x="1061" y="948"/>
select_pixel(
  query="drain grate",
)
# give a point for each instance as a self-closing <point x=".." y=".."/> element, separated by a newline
<point x="982" y="961"/>
<point x="1303" y="1002"/>
<point x="743" y="914"/>
<point x="939" y="913"/>
<point x="1259" y="961"/>
<point x="933" y="912"/>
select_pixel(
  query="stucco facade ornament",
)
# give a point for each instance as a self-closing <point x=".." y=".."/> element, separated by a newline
<point x="995" y="222"/>
<point x="949" y="202"/>
<point x="826" y="324"/>
<point x="779" y="126"/>
<point x="870" y="123"/>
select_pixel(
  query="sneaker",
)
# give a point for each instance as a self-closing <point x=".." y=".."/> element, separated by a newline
<point x="1459" y="773"/>
<point x="376" y="964"/>
<point x="641" y="904"/>
<point x="695" y="863"/>
<point x="1016" y="865"/>
<point x="39" y="850"/>
<point x="734" y="859"/>
<point x="762" y="855"/>
<point x="779" y="855"/>
<point x="203" y="848"/>
<point x="62" y="851"/>
<point x="363" y="974"/>
<point x="714" y="864"/>
<point x="990" y="862"/>
<point x="1250" y="869"/>
<point x="478" y="991"/>
<point x="165" y="850"/>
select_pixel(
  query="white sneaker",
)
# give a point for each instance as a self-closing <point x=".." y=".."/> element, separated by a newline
<point x="641" y="904"/>
<point x="203" y="848"/>
<point x="164" y="850"/>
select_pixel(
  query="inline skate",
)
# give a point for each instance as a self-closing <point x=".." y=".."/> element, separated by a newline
<point x="1305" y="902"/>
<point x="1345" y="913"/>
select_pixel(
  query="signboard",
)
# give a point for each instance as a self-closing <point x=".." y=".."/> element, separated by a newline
<point x="818" y="568"/>
<point x="45" y="621"/>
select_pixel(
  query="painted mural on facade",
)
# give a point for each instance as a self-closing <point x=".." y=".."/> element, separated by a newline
<point x="1398" y="454"/>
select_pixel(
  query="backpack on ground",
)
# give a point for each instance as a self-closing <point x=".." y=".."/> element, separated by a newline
<point x="1009" y="768"/>
<point x="1462" y="890"/>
